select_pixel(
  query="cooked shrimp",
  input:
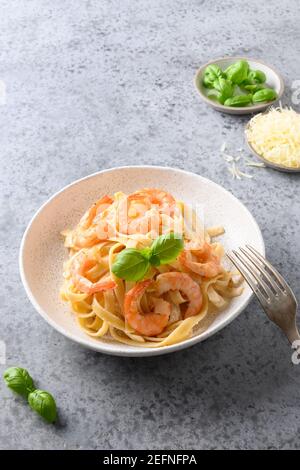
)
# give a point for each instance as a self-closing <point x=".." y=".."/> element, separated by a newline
<point x="145" y="224"/>
<point x="207" y="264"/>
<point x="154" y="196"/>
<point x="98" y="207"/>
<point x="80" y="265"/>
<point x="85" y="239"/>
<point x="147" y="324"/>
<point x="129" y="211"/>
<point x="86" y="236"/>
<point x="138" y="215"/>
<point x="184" y="283"/>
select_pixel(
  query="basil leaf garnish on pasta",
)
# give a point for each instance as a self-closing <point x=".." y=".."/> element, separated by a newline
<point x="133" y="264"/>
<point x="167" y="247"/>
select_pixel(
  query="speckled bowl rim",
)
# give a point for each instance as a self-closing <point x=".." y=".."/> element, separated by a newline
<point x="241" y="109"/>
<point x="274" y="166"/>
<point x="97" y="346"/>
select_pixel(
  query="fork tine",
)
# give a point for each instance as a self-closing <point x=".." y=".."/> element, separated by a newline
<point x="262" y="270"/>
<point x="259" y="280"/>
<point x="248" y="279"/>
<point x="282" y="283"/>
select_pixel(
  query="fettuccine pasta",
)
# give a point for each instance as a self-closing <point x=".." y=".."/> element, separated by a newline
<point x="173" y="301"/>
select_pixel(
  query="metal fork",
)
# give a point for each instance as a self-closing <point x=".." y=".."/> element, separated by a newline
<point x="275" y="296"/>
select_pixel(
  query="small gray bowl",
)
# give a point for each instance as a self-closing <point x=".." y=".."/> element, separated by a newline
<point x="274" y="80"/>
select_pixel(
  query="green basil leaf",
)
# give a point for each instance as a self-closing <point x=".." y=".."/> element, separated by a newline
<point x="237" y="72"/>
<point x="154" y="260"/>
<point x="225" y="89"/>
<point x="257" y="76"/>
<point x="19" y="380"/>
<point x="214" y="96"/>
<point x="252" y="88"/>
<point x="211" y="73"/>
<point x="44" y="404"/>
<point x="267" y="94"/>
<point x="146" y="252"/>
<point x="239" y="100"/>
<point x="130" y="265"/>
<point x="167" y="247"/>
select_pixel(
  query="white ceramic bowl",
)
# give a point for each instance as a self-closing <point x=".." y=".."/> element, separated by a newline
<point x="274" y="80"/>
<point x="42" y="252"/>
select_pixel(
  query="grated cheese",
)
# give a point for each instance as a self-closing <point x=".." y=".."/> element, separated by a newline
<point x="223" y="147"/>
<point x="228" y="158"/>
<point x="276" y="136"/>
<point x="255" y="164"/>
<point x="246" y="175"/>
<point x="237" y="173"/>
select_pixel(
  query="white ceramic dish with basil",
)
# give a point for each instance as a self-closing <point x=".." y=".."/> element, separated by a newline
<point x="42" y="250"/>
<point x="273" y="81"/>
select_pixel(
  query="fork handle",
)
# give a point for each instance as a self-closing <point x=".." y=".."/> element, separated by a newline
<point x="293" y="333"/>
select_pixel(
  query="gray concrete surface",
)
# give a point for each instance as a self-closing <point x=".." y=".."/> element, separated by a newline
<point x="96" y="84"/>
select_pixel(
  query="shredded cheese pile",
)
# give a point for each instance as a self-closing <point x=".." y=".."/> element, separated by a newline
<point x="232" y="167"/>
<point x="276" y="136"/>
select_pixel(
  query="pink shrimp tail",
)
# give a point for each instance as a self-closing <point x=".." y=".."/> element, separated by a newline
<point x="98" y="287"/>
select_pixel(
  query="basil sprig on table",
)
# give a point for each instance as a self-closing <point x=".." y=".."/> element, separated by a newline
<point x="44" y="404"/>
<point x="19" y="380"/>
<point x="132" y="264"/>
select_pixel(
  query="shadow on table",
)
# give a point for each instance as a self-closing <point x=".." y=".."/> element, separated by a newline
<point x="249" y="361"/>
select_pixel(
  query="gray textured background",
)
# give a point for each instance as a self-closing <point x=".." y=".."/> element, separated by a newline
<point x="96" y="84"/>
